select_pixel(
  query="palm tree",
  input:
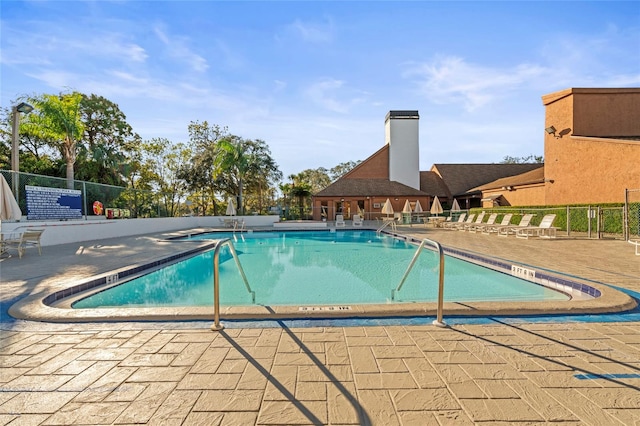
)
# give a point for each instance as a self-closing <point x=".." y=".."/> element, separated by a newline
<point x="57" y="118"/>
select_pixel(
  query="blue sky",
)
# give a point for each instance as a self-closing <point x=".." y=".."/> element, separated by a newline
<point x="316" y="79"/>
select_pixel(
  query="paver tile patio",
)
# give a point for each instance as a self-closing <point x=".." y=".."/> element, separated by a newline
<point x="182" y="373"/>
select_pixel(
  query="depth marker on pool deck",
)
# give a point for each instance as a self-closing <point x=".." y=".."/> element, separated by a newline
<point x="324" y="308"/>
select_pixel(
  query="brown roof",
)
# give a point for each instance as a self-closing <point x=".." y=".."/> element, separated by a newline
<point x="432" y="184"/>
<point x="461" y="178"/>
<point x="527" y="178"/>
<point x="368" y="187"/>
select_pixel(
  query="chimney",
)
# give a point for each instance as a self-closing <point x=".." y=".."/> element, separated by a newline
<point x="401" y="134"/>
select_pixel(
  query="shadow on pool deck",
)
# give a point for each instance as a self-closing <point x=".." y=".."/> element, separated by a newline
<point x="182" y="373"/>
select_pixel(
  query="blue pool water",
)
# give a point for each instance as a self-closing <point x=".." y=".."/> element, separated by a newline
<point x="316" y="268"/>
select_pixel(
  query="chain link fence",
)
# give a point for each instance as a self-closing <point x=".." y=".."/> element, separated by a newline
<point x="632" y="214"/>
<point x="129" y="202"/>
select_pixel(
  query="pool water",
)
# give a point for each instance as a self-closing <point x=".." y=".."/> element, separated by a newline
<point x="316" y="268"/>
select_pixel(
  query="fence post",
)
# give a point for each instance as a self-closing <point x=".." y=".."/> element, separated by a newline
<point x="626" y="234"/>
<point x="84" y="196"/>
<point x="568" y="221"/>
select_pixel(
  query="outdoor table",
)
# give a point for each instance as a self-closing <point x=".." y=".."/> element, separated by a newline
<point x="436" y="221"/>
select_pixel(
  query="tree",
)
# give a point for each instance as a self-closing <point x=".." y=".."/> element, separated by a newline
<point x="108" y="138"/>
<point x="242" y="161"/>
<point x="200" y="174"/>
<point x="317" y="179"/>
<point x="520" y="160"/>
<point x="341" y="169"/>
<point x="57" y="119"/>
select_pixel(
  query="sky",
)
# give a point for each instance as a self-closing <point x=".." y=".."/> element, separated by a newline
<point x="315" y="80"/>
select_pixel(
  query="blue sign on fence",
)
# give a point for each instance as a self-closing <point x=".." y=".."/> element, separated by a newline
<point x="53" y="203"/>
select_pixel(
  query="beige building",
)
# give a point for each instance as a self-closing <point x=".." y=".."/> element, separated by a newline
<point x="591" y="152"/>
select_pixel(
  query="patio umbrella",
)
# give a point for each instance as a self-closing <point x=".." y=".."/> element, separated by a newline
<point x="436" y="208"/>
<point x="418" y="208"/>
<point x="231" y="208"/>
<point x="456" y="206"/>
<point x="9" y="208"/>
<point x="407" y="207"/>
<point x="387" y="208"/>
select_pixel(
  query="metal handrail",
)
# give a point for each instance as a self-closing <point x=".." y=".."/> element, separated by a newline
<point x="216" y="280"/>
<point x="386" y="223"/>
<point x="438" y="321"/>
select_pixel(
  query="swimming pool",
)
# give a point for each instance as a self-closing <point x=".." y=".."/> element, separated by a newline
<point x="310" y="268"/>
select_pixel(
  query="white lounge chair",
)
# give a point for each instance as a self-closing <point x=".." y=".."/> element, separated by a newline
<point x="544" y="230"/>
<point x="479" y="227"/>
<point x="461" y="225"/>
<point x="340" y="221"/>
<point x="357" y="220"/>
<point x="29" y="238"/>
<point x="505" y="231"/>
<point x="451" y="224"/>
<point x="478" y="221"/>
<point x="506" y="220"/>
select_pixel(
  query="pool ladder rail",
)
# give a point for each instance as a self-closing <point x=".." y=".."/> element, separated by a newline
<point x="216" y="280"/>
<point x="438" y="321"/>
<point x="387" y="222"/>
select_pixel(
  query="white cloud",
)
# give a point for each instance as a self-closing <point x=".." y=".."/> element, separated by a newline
<point x="177" y="47"/>
<point x="453" y="80"/>
<point x="332" y="95"/>
<point x="313" y="32"/>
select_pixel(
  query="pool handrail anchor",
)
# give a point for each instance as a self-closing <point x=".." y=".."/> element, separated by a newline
<point x="438" y="321"/>
<point x="216" y="280"/>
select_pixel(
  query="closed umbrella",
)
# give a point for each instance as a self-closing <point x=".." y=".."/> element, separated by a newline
<point x="436" y="207"/>
<point x="231" y="208"/>
<point x="407" y="207"/>
<point x="456" y="206"/>
<point x="387" y="208"/>
<point x="418" y="207"/>
<point x="9" y="208"/>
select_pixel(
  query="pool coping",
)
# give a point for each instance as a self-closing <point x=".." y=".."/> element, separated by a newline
<point x="39" y="308"/>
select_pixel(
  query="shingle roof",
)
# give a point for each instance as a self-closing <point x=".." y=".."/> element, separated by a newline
<point x="432" y="184"/>
<point x="368" y="187"/>
<point x="527" y="178"/>
<point x="460" y="178"/>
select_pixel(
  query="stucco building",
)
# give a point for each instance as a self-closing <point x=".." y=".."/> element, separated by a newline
<point x="591" y="151"/>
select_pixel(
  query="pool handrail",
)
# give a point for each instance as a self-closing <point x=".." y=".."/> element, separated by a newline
<point x="438" y="321"/>
<point x="216" y="280"/>
<point x="387" y="222"/>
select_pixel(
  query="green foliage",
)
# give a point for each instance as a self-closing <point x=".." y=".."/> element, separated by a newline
<point x="521" y="160"/>
<point x="611" y="216"/>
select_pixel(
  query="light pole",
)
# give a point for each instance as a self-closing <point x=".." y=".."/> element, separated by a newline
<point x="15" y="129"/>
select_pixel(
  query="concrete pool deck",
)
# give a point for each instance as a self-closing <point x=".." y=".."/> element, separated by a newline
<point x="183" y="373"/>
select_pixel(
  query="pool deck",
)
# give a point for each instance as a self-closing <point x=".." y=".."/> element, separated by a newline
<point x="495" y="372"/>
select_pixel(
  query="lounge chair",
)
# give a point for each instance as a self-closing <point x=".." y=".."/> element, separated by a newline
<point x="461" y="225"/>
<point x="506" y="220"/>
<point x="478" y="221"/>
<point x="505" y="231"/>
<point x="543" y="230"/>
<point x="479" y="227"/>
<point x="357" y="220"/>
<point x="29" y="238"/>
<point x="451" y="224"/>
<point x="340" y="221"/>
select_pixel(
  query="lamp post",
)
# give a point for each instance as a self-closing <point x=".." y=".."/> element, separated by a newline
<point x="15" y="130"/>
